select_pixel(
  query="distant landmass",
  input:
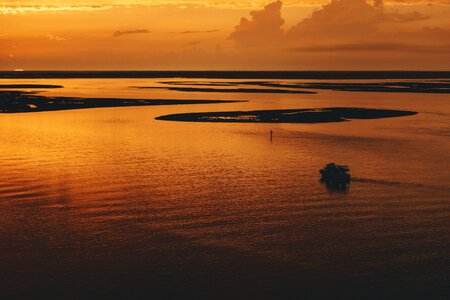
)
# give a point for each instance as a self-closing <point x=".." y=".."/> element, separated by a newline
<point x="232" y="74"/>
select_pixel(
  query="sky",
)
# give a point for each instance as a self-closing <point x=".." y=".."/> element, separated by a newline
<point x="225" y="35"/>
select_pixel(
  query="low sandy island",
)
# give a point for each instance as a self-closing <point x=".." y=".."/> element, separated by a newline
<point x="30" y="86"/>
<point x="311" y="115"/>
<point x="433" y="87"/>
<point x="227" y="90"/>
<point x="17" y="102"/>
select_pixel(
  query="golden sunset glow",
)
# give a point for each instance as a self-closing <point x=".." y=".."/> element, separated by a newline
<point x="224" y="149"/>
<point x="289" y="34"/>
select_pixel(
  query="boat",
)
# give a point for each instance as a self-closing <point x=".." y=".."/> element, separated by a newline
<point x="333" y="174"/>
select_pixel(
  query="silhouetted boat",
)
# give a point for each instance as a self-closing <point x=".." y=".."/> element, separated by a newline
<point x="336" y="175"/>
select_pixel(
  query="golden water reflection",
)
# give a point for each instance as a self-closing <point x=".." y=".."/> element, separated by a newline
<point x="114" y="193"/>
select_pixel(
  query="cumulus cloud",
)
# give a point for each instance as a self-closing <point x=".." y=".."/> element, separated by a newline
<point x="340" y="21"/>
<point x="127" y="32"/>
<point x="349" y="19"/>
<point x="263" y="26"/>
<point x="344" y="34"/>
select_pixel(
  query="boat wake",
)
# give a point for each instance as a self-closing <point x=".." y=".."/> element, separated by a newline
<point x="399" y="184"/>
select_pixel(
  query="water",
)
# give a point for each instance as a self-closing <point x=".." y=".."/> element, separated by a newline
<point x="112" y="203"/>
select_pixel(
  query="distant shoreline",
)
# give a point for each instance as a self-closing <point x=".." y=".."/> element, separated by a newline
<point x="230" y="74"/>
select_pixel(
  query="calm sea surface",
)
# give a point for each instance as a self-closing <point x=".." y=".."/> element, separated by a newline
<point x="110" y="203"/>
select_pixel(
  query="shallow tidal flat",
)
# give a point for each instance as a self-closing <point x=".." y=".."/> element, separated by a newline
<point x="228" y="90"/>
<point x="30" y="86"/>
<point x="431" y="86"/>
<point x="312" y="115"/>
<point x="19" y="101"/>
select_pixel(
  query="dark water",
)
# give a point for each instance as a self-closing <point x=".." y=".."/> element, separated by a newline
<point x="110" y="203"/>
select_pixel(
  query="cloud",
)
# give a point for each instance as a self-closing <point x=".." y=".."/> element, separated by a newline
<point x="370" y="47"/>
<point x="35" y="6"/>
<point x="56" y="38"/>
<point x="412" y="16"/>
<point x="198" y="31"/>
<point x="349" y="19"/>
<point x="437" y="32"/>
<point x="264" y="26"/>
<point x="193" y="43"/>
<point x="343" y="34"/>
<point x="13" y="10"/>
<point x="340" y="21"/>
<point x="127" y="32"/>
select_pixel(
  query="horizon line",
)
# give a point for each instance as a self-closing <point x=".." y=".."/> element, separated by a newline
<point x="218" y="70"/>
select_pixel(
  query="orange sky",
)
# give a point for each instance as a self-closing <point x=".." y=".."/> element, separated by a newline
<point x="194" y="34"/>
